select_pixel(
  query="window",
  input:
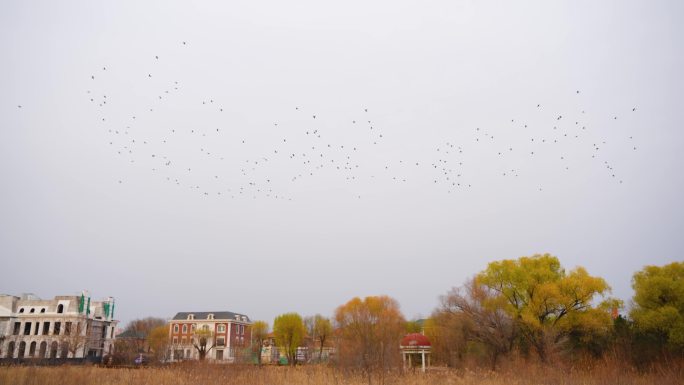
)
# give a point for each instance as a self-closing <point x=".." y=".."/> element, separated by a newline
<point x="32" y="311"/>
<point x="175" y="328"/>
<point x="17" y="327"/>
<point x="21" y="310"/>
<point x="210" y="316"/>
<point x="219" y="354"/>
<point x="27" y="328"/>
<point x="178" y="354"/>
<point x="222" y="328"/>
<point x="175" y="340"/>
<point x="185" y="328"/>
<point x="193" y="327"/>
<point x="191" y="316"/>
<point x="58" y="325"/>
<point x="60" y="308"/>
<point x="46" y="328"/>
<point x="220" y="341"/>
<point x="67" y="328"/>
<point x="184" y="341"/>
<point x="35" y="331"/>
<point x="205" y="327"/>
<point x="42" y="310"/>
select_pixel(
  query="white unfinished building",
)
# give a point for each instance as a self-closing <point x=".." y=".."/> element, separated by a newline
<point x="63" y="327"/>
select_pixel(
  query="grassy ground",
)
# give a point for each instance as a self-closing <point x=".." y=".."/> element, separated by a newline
<point x="315" y="375"/>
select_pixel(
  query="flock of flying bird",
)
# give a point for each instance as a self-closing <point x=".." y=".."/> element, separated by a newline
<point x="206" y="159"/>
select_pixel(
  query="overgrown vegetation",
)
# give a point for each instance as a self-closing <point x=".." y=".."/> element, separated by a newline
<point x="526" y="320"/>
<point x="533" y="308"/>
<point x="513" y="373"/>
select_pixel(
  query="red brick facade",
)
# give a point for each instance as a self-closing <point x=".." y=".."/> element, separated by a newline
<point x="229" y="334"/>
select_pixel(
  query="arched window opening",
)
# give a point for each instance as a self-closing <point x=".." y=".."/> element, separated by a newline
<point x="60" y="308"/>
<point x="10" y="350"/>
<point x="32" y="349"/>
<point x="65" y="350"/>
<point x="42" y="353"/>
<point x="53" y="349"/>
<point x="22" y="349"/>
<point x="32" y="310"/>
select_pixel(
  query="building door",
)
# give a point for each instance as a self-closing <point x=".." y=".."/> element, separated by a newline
<point x="219" y="354"/>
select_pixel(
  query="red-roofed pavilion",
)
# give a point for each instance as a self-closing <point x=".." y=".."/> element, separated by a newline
<point x="415" y="347"/>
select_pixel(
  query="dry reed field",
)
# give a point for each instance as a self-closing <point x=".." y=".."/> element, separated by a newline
<point x="320" y="375"/>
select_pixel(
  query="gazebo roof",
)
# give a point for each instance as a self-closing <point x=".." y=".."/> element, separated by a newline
<point x="415" y="340"/>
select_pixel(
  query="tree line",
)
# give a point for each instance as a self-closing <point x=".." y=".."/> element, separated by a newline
<point x="529" y="307"/>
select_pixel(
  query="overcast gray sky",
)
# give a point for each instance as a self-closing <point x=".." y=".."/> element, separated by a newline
<point x="499" y="129"/>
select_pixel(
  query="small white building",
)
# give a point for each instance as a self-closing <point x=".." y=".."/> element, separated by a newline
<point x="63" y="327"/>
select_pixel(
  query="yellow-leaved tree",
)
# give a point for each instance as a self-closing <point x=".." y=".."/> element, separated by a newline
<point x="370" y="331"/>
<point x="259" y="335"/>
<point x="658" y="310"/>
<point x="158" y="341"/>
<point x="289" y="333"/>
<point x="546" y="302"/>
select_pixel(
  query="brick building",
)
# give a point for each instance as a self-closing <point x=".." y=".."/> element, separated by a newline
<point x="63" y="327"/>
<point x="229" y="335"/>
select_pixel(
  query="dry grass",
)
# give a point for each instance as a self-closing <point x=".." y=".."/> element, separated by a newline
<point x="602" y="373"/>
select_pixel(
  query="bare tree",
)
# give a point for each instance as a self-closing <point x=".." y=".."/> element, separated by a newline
<point x="75" y="337"/>
<point x="482" y="318"/>
<point x="203" y="337"/>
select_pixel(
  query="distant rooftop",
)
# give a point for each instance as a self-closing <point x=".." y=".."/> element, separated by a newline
<point x="218" y="315"/>
<point x="132" y="334"/>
